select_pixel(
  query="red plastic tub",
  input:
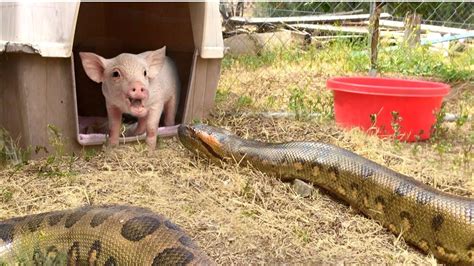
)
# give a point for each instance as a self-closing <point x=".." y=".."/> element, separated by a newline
<point x="405" y="109"/>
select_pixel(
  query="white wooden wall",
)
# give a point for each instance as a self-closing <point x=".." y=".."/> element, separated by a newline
<point x="38" y="27"/>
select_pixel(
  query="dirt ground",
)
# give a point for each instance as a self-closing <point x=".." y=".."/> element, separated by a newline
<point x="239" y="215"/>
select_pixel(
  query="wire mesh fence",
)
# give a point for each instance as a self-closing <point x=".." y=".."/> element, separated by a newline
<point x="302" y="43"/>
<point x="337" y="20"/>
<point x="452" y="14"/>
<point x="280" y="54"/>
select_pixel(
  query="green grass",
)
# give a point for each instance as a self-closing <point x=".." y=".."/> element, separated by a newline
<point x="244" y="101"/>
<point x="10" y="150"/>
<point x="58" y="163"/>
<point x="221" y="95"/>
<point x="354" y="57"/>
<point x="421" y="61"/>
<point x="303" y="105"/>
<point x="292" y="54"/>
<point x="6" y="194"/>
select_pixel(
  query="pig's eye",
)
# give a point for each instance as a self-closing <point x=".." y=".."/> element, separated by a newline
<point x="144" y="73"/>
<point x="115" y="74"/>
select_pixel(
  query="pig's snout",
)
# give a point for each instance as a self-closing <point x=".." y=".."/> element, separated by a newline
<point x="138" y="91"/>
<point x="136" y="98"/>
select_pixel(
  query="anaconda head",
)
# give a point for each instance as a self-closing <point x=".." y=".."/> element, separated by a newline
<point x="205" y="139"/>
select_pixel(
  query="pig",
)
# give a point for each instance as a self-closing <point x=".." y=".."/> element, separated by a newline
<point x="144" y="85"/>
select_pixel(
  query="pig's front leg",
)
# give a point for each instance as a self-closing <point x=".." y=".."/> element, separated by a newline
<point x="153" y="120"/>
<point x="141" y="125"/>
<point x="170" y="112"/>
<point x="115" y="121"/>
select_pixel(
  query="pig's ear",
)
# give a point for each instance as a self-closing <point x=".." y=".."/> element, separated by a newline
<point x="155" y="61"/>
<point x="144" y="55"/>
<point x="94" y="65"/>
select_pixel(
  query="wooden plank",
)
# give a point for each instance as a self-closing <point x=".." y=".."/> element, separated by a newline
<point x="348" y="12"/>
<point x="212" y="80"/>
<point x="357" y="30"/>
<point x="32" y="87"/>
<point x="320" y="18"/>
<point x="332" y="37"/>
<point x="191" y="91"/>
<point x="199" y="88"/>
<point x="11" y="111"/>
<point x="374" y="38"/>
<point x="427" y="41"/>
<point x="412" y="29"/>
<point x="59" y="110"/>
<point x="343" y="29"/>
<point x="448" y="38"/>
<point x="424" y="27"/>
<point x="48" y="27"/>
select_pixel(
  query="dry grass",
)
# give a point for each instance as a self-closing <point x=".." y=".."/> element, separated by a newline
<point x="239" y="215"/>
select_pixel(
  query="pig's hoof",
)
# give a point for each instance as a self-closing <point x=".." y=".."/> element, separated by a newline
<point x="109" y="146"/>
<point x="112" y="143"/>
<point x="106" y="148"/>
<point x="150" y="152"/>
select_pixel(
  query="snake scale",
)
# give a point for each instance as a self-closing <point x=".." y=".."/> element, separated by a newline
<point x="432" y="220"/>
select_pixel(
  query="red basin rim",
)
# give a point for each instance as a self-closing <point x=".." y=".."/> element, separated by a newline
<point x="388" y="86"/>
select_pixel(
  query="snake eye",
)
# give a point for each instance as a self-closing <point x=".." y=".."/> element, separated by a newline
<point x="144" y="73"/>
<point x="115" y="74"/>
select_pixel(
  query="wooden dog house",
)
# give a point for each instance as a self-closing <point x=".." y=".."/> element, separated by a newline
<point x="42" y="81"/>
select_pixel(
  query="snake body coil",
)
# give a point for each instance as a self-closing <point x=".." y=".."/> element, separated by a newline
<point x="432" y="220"/>
<point x="100" y="235"/>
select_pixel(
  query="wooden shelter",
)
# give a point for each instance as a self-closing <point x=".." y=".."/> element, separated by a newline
<point x="42" y="82"/>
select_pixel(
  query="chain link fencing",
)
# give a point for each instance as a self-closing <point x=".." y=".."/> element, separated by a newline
<point x="301" y="44"/>
<point x="452" y="14"/>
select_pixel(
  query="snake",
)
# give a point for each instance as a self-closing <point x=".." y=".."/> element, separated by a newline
<point x="432" y="220"/>
<point x="107" y="235"/>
